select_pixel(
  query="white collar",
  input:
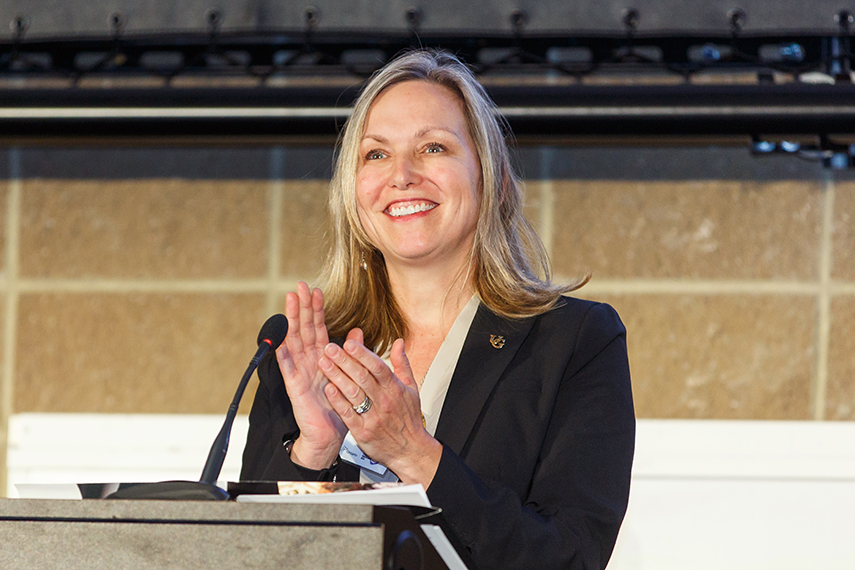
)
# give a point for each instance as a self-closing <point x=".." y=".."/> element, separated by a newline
<point x="438" y="377"/>
<point x="432" y="394"/>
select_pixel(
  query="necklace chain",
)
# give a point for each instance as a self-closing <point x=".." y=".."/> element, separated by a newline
<point x="421" y="382"/>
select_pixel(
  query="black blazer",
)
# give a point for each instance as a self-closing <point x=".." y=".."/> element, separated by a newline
<point x="538" y="438"/>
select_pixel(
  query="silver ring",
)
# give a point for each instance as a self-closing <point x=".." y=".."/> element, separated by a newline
<point x="364" y="406"/>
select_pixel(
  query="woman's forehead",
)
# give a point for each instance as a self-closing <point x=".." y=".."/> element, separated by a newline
<point x="417" y="99"/>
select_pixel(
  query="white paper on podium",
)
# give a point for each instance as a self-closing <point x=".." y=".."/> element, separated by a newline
<point x="407" y="495"/>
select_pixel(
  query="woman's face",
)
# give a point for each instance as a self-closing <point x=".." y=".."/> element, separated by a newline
<point x="418" y="179"/>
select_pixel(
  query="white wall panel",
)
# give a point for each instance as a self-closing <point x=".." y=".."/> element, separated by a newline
<point x="705" y="494"/>
<point x="740" y="494"/>
<point x="104" y="448"/>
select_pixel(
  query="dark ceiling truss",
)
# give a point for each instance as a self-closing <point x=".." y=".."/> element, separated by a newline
<point x="264" y="55"/>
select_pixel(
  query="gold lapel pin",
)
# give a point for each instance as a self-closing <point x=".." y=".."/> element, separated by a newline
<point x="498" y="341"/>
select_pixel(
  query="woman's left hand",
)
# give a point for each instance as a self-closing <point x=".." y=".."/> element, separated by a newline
<point x="391" y="431"/>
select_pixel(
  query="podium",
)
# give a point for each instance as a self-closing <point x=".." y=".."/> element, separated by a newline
<point x="99" y="534"/>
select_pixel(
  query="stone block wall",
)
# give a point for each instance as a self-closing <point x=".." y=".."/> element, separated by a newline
<point x="135" y="280"/>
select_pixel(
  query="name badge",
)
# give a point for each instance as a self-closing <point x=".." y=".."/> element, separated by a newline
<point x="351" y="453"/>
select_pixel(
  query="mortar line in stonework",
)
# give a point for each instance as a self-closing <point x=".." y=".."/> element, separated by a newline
<point x="820" y="388"/>
<point x="546" y="219"/>
<point x="10" y="314"/>
<point x="110" y="285"/>
<point x="285" y="283"/>
<point x="703" y="287"/>
<point x="276" y="190"/>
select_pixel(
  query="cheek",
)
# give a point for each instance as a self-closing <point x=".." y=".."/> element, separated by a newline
<point x="367" y="190"/>
<point x="364" y="211"/>
<point x="364" y="217"/>
<point x="473" y="195"/>
<point x="477" y="190"/>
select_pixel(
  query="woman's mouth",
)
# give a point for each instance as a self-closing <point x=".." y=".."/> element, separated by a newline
<point x="400" y="210"/>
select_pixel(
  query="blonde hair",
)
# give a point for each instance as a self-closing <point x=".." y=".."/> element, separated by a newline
<point x="505" y="249"/>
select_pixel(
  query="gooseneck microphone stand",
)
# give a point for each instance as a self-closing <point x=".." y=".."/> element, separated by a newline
<point x="271" y="335"/>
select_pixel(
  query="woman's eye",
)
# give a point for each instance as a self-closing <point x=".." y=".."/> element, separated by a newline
<point x="374" y="155"/>
<point x="434" y="147"/>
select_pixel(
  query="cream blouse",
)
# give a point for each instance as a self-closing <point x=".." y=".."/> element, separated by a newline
<point x="432" y="393"/>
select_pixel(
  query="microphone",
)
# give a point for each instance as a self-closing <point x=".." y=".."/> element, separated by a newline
<point x="271" y="336"/>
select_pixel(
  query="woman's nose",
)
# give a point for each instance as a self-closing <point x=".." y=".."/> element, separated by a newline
<point x="406" y="172"/>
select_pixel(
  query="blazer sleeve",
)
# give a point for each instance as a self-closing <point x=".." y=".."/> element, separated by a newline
<point x="271" y="424"/>
<point x="578" y="494"/>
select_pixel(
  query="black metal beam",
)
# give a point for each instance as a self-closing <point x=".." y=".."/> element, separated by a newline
<point x="540" y="114"/>
<point x="264" y="54"/>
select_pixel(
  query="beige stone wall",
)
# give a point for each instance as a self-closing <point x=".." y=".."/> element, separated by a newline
<point x="136" y="281"/>
<point x="719" y="284"/>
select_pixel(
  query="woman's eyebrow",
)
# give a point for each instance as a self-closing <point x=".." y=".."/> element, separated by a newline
<point x="379" y="138"/>
<point x="426" y="130"/>
<point x="419" y="134"/>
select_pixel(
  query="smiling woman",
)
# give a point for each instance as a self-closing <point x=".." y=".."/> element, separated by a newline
<point x="456" y="366"/>
<point x="418" y="182"/>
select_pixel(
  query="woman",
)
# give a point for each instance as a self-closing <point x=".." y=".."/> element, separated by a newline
<point x="507" y="401"/>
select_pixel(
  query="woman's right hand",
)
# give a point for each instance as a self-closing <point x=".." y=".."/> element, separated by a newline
<point x="321" y="430"/>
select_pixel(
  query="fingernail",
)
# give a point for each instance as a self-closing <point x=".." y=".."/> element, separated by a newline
<point x="325" y="363"/>
<point x="350" y="346"/>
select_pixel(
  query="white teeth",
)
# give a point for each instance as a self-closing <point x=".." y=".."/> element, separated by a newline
<point x="409" y="210"/>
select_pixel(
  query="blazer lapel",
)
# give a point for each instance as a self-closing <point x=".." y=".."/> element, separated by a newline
<point x="479" y="368"/>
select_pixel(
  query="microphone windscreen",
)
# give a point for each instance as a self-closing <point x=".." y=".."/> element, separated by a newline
<point x="274" y="330"/>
